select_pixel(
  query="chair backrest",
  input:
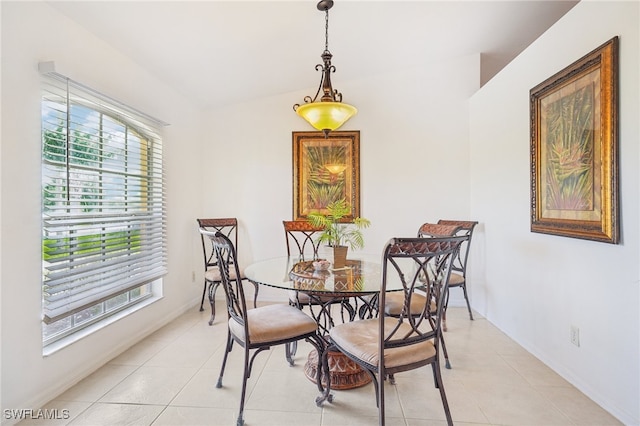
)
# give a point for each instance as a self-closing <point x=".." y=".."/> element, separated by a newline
<point x="437" y="230"/>
<point x="299" y="235"/>
<point x="228" y="226"/>
<point x="407" y="261"/>
<point x="225" y="252"/>
<point x="466" y="229"/>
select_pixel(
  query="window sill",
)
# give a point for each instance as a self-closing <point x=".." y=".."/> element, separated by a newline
<point x="54" y="347"/>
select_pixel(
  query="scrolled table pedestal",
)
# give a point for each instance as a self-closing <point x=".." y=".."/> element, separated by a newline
<point x="344" y="373"/>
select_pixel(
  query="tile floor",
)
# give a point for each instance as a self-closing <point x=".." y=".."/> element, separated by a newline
<point x="169" y="379"/>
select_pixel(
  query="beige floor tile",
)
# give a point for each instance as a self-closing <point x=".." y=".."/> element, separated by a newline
<point x="201" y="391"/>
<point x="97" y="384"/>
<point x="342" y="418"/>
<point x="150" y="385"/>
<point x="423" y="422"/>
<point x="535" y="371"/>
<point x="361" y="402"/>
<point x="288" y="390"/>
<point x="100" y="414"/>
<point x="575" y="405"/>
<point x="177" y="327"/>
<point x="196" y="416"/>
<point x="140" y="353"/>
<point x="483" y="367"/>
<point x="184" y="353"/>
<point x="282" y="418"/>
<point x="421" y="399"/>
<point x="515" y="405"/>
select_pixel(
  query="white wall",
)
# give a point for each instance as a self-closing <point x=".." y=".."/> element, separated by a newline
<point x="534" y="286"/>
<point x="33" y="32"/>
<point x="413" y="156"/>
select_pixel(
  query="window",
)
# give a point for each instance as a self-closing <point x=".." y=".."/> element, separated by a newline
<point x="103" y="220"/>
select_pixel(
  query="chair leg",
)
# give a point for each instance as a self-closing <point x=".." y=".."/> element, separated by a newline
<point x="204" y="292"/>
<point x="380" y="398"/>
<point x="245" y="377"/>
<point x="443" y="395"/>
<point x="224" y="359"/>
<point x="444" y="310"/>
<point x="290" y="351"/>
<point x="447" y="364"/>
<point x="292" y="348"/>
<point x="326" y="395"/>
<point x="212" y="300"/>
<point x="255" y="295"/>
<point x="464" y="290"/>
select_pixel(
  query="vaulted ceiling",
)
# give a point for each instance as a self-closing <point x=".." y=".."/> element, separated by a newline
<point x="222" y="52"/>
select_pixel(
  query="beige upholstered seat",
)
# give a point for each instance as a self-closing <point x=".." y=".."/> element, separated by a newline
<point x="272" y="323"/>
<point x="213" y="274"/>
<point x="406" y="342"/>
<point x="395" y="302"/>
<point x="361" y="341"/>
<point x="260" y="328"/>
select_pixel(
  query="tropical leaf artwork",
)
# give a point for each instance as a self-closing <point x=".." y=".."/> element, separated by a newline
<point x="570" y="152"/>
<point x="324" y="187"/>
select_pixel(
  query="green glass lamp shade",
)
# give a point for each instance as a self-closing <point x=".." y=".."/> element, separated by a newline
<point x="326" y="115"/>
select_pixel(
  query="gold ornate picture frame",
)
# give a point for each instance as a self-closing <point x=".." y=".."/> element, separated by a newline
<point x="574" y="149"/>
<point x="325" y="169"/>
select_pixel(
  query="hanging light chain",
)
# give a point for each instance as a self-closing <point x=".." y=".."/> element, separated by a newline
<point x="326" y="29"/>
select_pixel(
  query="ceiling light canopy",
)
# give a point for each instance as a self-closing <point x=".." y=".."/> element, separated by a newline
<point x="329" y="112"/>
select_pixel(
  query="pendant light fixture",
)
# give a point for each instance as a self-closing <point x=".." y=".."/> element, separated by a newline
<point x="329" y="112"/>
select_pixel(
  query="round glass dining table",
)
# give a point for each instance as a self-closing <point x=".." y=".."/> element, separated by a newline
<point x="360" y="276"/>
<point x="354" y="288"/>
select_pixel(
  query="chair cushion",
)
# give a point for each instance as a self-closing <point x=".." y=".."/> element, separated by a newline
<point x="213" y="274"/>
<point x="455" y="280"/>
<point x="360" y="339"/>
<point x="273" y="323"/>
<point x="304" y="299"/>
<point x="395" y="300"/>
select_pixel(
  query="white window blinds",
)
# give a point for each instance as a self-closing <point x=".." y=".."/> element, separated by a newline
<point x="103" y="219"/>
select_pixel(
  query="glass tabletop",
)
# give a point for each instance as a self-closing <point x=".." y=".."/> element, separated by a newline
<point x="361" y="275"/>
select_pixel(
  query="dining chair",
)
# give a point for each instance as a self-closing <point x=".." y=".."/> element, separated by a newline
<point x="387" y="345"/>
<point x="256" y="329"/>
<point x="212" y="278"/>
<point x="394" y="303"/>
<point x="459" y="268"/>
<point x="299" y="236"/>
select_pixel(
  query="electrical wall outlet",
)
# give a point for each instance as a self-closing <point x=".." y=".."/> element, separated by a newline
<point x="193" y="276"/>
<point x="575" y="335"/>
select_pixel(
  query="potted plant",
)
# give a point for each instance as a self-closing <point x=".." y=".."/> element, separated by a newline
<point x="338" y="234"/>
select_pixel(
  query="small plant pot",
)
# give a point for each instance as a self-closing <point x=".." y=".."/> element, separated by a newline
<point x="339" y="256"/>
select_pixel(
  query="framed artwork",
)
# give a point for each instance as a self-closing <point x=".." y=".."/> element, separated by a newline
<point x="325" y="169"/>
<point x="574" y="149"/>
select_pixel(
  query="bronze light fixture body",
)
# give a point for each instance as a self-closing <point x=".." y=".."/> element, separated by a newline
<point x="328" y="113"/>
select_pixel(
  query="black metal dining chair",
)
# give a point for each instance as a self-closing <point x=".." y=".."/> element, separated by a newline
<point x="459" y="268"/>
<point x="260" y="328"/>
<point x="394" y="301"/>
<point x="212" y="278"/>
<point x="301" y="242"/>
<point x="388" y="345"/>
